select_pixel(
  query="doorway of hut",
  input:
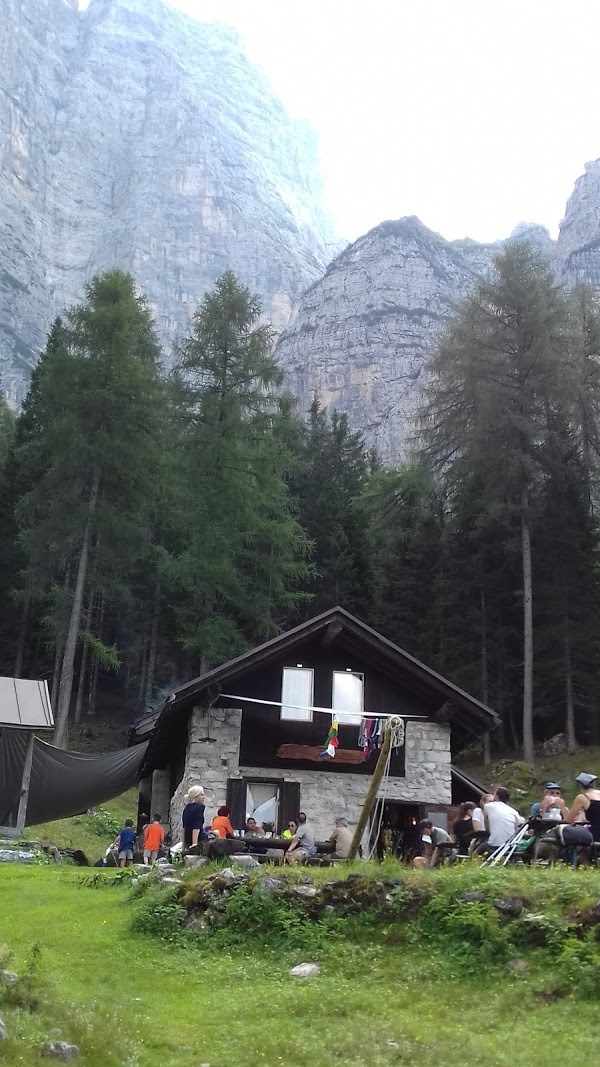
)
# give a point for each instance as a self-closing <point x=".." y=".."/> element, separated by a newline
<point x="396" y="828"/>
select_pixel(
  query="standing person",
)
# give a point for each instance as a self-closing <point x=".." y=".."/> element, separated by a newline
<point x="292" y="826"/>
<point x="124" y="844"/>
<point x="501" y="820"/>
<point x="587" y="802"/>
<point x="154" y="836"/>
<point x="193" y="816"/>
<point x="342" y="839"/>
<point x="303" y="842"/>
<point x="221" y="824"/>
<point x="463" y="828"/>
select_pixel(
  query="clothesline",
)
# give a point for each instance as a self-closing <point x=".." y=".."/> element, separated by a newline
<point x="328" y="711"/>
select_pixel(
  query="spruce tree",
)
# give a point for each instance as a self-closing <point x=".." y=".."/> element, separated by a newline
<point x="237" y="554"/>
<point x="328" y="486"/>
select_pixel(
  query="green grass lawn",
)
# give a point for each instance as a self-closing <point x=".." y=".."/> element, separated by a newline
<point x="136" y="1001"/>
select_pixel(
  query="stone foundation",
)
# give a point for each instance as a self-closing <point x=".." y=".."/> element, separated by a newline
<point x="323" y="795"/>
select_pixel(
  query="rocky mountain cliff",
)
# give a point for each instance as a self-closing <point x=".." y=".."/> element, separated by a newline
<point x="133" y="136"/>
<point x="363" y="332"/>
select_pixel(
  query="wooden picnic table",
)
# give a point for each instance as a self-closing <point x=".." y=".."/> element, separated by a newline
<point x="280" y="842"/>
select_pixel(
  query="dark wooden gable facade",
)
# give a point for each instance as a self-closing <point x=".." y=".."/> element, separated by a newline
<point x="335" y="641"/>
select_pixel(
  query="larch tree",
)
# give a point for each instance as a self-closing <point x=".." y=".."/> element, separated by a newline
<point x="502" y="364"/>
<point x="103" y="399"/>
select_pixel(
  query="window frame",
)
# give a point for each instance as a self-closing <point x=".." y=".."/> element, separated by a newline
<point x="348" y="718"/>
<point x="296" y="717"/>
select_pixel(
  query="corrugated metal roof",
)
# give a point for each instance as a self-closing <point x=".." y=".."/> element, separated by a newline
<point x="25" y="704"/>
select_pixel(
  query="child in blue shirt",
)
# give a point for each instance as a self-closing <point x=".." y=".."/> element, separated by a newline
<point x="125" y="842"/>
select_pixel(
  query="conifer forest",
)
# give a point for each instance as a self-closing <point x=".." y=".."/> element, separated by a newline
<point x="160" y="515"/>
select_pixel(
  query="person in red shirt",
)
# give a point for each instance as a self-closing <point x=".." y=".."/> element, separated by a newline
<point x="154" y="836"/>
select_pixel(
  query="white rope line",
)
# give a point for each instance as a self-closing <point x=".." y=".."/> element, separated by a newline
<point x="328" y="711"/>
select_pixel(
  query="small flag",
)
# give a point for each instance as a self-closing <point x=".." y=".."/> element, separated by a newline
<point x="331" y="741"/>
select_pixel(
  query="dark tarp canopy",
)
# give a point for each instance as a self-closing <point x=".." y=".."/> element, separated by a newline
<point x="62" y="783"/>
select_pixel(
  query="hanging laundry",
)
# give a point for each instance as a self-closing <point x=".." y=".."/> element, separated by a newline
<point x="369" y="736"/>
<point x="331" y="741"/>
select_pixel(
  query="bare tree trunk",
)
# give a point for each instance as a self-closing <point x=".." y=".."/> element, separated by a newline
<point x="142" y="687"/>
<point x="20" y="652"/>
<point x="58" y="655"/>
<point x="68" y="664"/>
<point x="91" y="708"/>
<point x="487" y="758"/>
<point x="528" y="752"/>
<point x="56" y="674"/>
<point x="82" y="672"/>
<point x="153" y="645"/>
<point x="91" y="705"/>
<point x="83" y="663"/>
<point x="570" y="704"/>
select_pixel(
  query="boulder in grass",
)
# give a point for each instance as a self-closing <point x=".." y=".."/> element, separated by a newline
<point x="510" y="907"/>
<point x="61" y="1050"/>
<point x="3" y="1031"/>
<point x="305" y="970"/>
<point x="305" y="890"/>
<point x="8" y="976"/>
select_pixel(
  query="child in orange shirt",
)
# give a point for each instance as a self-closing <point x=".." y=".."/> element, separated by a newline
<point x="154" y="836"/>
<point x="221" y="825"/>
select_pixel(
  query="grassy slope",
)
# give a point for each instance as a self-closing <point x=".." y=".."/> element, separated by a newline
<point x="179" y="1006"/>
<point x="527" y="785"/>
<point x="82" y="831"/>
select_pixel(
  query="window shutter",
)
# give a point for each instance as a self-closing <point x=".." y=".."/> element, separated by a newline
<point x="236" y="802"/>
<point x="289" y="804"/>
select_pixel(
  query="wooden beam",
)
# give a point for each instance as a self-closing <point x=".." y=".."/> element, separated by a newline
<point x="333" y="630"/>
<point x="22" y="810"/>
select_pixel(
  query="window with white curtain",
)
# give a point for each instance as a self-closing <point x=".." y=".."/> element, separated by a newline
<point x="297" y="694"/>
<point x="347" y="699"/>
<point x="262" y="802"/>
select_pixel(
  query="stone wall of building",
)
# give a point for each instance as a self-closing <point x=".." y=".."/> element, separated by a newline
<point x="323" y="795"/>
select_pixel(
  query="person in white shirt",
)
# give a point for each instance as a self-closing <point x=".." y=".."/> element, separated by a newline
<point x="501" y="820"/>
<point x="477" y="816"/>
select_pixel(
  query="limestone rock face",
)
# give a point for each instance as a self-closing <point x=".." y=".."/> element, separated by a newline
<point x="363" y="332"/>
<point x="579" y="238"/>
<point x="133" y="136"/>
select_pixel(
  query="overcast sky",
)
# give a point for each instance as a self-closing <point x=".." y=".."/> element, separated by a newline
<point x="472" y="114"/>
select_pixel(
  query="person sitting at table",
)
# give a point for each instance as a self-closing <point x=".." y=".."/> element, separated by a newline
<point x="463" y="828"/>
<point x="552" y="805"/>
<point x="221" y="824"/>
<point x="252" y="828"/>
<point x="478" y="816"/>
<point x="341" y="838"/>
<point x="255" y="831"/>
<point x="433" y="839"/>
<point x="292" y="826"/>
<point x="303" y="842"/>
